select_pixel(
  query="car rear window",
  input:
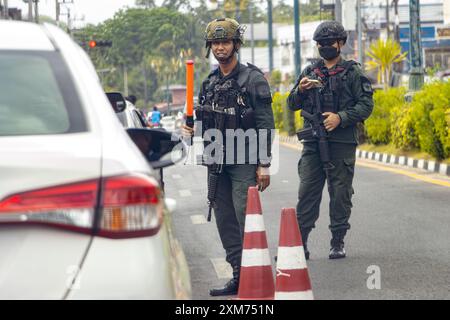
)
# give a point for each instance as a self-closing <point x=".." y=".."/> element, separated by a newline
<point x="37" y="95"/>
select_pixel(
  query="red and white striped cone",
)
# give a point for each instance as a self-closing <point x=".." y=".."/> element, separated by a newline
<point x="256" y="278"/>
<point x="292" y="281"/>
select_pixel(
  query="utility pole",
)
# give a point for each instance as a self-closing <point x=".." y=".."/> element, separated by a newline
<point x="238" y="18"/>
<point x="338" y="10"/>
<point x="388" y="22"/>
<point x="416" y="76"/>
<point x="360" y="43"/>
<point x="397" y="22"/>
<point x="30" y="10"/>
<point x="297" y="60"/>
<point x="66" y="4"/>
<point x="270" y="22"/>
<point x="252" y="31"/>
<point x="6" y="9"/>
<point x="69" y="22"/>
<point x="36" y="11"/>
<point x="125" y="80"/>
<point x="58" y="11"/>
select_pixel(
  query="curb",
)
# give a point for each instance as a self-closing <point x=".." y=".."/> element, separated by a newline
<point x="427" y="165"/>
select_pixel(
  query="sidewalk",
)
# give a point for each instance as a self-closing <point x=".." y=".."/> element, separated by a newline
<point x="408" y="162"/>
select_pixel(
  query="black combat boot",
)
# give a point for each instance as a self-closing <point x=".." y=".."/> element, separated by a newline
<point x="305" y="234"/>
<point x="337" y="250"/>
<point x="230" y="288"/>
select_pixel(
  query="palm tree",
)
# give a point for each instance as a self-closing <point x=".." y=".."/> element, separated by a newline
<point x="384" y="54"/>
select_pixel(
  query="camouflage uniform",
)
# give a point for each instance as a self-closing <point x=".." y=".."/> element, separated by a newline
<point x="349" y="94"/>
<point x="237" y="177"/>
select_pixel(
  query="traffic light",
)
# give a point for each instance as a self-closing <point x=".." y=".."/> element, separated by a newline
<point x="100" y="43"/>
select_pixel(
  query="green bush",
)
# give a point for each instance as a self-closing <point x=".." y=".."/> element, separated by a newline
<point x="378" y="126"/>
<point x="279" y="106"/>
<point x="403" y="135"/>
<point x="428" y="114"/>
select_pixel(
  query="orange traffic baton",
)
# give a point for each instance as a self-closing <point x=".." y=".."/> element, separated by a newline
<point x="190" y="93"/>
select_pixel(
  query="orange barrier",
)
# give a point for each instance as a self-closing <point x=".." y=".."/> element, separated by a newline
<point x="292" y="281"/>
<point x="256" y="278"/>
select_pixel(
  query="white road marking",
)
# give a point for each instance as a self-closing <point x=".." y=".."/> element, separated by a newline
<point x="297" y="295"/>
<point x="185" y="193"/>
<point x="223" y="268"/>
<point x="198" y="219"/>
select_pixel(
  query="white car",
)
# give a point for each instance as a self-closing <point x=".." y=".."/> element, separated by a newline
<point x="82" y="215"/>
<point x="168" y="123"/>
<point x="129" y="116"/>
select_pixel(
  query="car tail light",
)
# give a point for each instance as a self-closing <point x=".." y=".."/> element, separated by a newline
<point x="130" y="206"/>
<point x="68" y="206"/>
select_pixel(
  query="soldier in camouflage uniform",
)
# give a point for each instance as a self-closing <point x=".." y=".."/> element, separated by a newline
<point x="346" y="97"/>
<point x="243" y="94"/>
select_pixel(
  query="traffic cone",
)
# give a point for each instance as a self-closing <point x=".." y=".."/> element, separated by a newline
<point x="256" y="278"/>
<point x="292" y="281"/>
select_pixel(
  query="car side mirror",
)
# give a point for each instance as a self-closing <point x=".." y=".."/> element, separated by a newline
<point x="117" y="101"/>
<point x="160" y="148"/>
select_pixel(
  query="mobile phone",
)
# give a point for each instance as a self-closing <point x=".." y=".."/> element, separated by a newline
<point x="316" y="83"/>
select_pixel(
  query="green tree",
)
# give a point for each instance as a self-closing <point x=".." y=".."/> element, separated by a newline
<point x="283" y="12"/>
<point x="138" y="34"/>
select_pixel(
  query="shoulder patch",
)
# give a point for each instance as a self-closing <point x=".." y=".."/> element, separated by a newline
<point x="366" y="85"/>
<point x="263" y="90"/>
<point x="253" y="67"/>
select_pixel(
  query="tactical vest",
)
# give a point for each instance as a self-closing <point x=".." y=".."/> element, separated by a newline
<point x="226" y="100"/>
<point x="333" y="84"/>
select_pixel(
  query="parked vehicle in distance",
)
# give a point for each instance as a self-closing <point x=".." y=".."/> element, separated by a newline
<point x="128" y="114"/>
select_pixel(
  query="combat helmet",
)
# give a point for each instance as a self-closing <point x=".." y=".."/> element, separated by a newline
<point x="223" y="29"/>
<point x="330" y="30"/>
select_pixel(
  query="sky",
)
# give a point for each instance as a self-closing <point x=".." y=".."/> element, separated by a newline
<point x="84" y="11"/>
<point x="93" y="11"/>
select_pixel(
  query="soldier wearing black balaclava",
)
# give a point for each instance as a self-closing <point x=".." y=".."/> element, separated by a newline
<point x="345" y="95"/>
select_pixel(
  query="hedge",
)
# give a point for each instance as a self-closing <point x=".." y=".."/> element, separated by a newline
<point x="279" y="106"/>
<point x="421" y="124"/>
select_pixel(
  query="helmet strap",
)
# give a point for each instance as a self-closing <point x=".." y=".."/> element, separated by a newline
<point x="208" y="50"/>
<point x="235" y="43"/>
<point x="228" y="60"/>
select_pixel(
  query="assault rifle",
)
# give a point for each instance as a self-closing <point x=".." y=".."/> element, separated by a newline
<point x="317" y="131"/>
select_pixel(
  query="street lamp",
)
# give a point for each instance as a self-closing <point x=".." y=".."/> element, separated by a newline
<point x="297" y="62"/>
<point x="416" y="76"/>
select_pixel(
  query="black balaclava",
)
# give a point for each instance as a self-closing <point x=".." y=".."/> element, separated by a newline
<point x="329" y="52"/>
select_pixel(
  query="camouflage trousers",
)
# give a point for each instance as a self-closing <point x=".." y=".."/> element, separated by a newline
<point x="231" y="203"/>
<point x="340" y="189"/>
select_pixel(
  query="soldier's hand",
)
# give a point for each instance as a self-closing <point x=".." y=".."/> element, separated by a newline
<point x="263" y="178"/>
<point x="332" y="121"/>
<point x="305" y="85"/>
<point x="186" y="131"/>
